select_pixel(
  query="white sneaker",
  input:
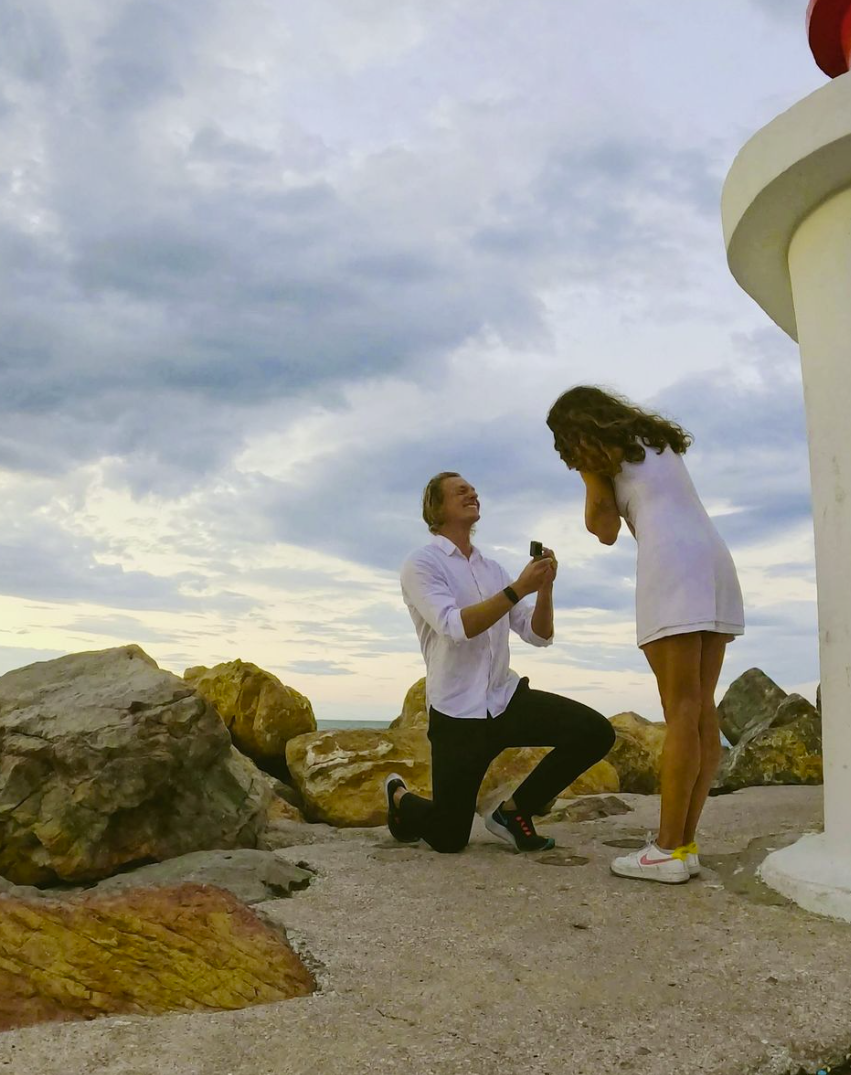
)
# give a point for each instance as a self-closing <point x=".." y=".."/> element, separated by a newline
<point x="651" y="864"/>
<point x="692" y="860"/>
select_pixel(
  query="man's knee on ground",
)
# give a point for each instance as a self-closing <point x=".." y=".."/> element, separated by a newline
<point x="451" y="845"/>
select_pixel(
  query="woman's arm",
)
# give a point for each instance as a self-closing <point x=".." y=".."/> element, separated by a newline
<point x="602" y="517"/>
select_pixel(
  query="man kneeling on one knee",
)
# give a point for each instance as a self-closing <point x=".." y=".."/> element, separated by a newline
<point x="463" y="606"/>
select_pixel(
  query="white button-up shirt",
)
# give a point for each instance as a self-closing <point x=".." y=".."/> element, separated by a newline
<point x="465" y="677"/>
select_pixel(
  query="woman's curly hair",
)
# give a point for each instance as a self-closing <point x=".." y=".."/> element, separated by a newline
<point x="588" y="423"/>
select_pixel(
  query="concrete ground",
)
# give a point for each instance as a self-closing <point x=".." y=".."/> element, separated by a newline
<point x="489" y="963"/>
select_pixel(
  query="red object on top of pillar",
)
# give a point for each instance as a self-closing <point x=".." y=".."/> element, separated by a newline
<point x="829" y="28"/>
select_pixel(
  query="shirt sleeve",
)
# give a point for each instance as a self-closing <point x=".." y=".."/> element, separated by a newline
<point x="428" y="590"/>
<point x="520" y="620"/>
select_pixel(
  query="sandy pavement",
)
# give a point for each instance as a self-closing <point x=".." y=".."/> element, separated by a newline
<point x="489" y="963"/>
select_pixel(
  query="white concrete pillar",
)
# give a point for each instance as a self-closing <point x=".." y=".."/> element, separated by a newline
<point x="820" y="267"/>
<point x="787" y="221"/>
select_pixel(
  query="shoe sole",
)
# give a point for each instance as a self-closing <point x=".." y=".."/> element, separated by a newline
<point x="504" y="834"/>
<point x="651" y="877"/>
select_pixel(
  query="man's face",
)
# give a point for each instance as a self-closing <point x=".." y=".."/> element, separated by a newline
<point x="460" y="502"/>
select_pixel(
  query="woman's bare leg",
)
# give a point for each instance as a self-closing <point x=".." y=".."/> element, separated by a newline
<point x="711" y="659"/>
<point x="676" y="663"/>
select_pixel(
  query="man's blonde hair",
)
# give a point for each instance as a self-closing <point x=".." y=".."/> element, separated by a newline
<point x="433" y="499"/>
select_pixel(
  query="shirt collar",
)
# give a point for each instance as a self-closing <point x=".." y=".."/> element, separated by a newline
<point x="450" y="548"/>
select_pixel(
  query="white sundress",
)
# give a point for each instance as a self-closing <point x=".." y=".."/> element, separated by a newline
<point x="685" y="577"/>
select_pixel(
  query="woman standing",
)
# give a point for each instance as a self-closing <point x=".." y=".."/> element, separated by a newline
<point x="688" y="599"/>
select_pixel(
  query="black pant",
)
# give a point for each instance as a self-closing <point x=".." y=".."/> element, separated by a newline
<point x="462" y="750"/>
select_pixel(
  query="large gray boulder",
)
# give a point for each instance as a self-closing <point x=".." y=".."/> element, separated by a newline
<point x="108" y="761"/>
<point x="780" y="754"/>
<point x="751" y="701"/>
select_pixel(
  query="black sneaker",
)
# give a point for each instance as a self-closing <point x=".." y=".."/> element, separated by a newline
<point x="394" y="821"/>
<point x="517" y="829"/>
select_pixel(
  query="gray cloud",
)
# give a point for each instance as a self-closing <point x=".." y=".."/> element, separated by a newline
<point x="12" y="657"/>
<point x="373" y="631"/>
<point x="117" y="626"/>
<point x="750" y="438"/>
<point x="202" y="240"/>
<point x="187" y="282"/>
<point x="31" y="48"/>
<point x="141" y="55"/>
<point x="318" y="668"/>
<point x="750" y="450"/>
<point x="43" y="561"/>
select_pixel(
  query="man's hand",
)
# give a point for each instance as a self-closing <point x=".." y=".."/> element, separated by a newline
<point x="552" y="556"/>
<point x="536" y="577"/>
<point x="536" y="574"/>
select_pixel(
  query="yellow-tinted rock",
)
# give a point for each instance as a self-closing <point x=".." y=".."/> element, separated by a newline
<point x="261" y="713"/>
<point x="414" y="713"/>
<point x="340" y="774"/>
<point x="637" y="753"/>
<point x="600" y="779"/>
<point x="147" y="951"/>
<point x="507" y="771"/>
<point x="790" y="754"/>
<point x="510" y="769"/>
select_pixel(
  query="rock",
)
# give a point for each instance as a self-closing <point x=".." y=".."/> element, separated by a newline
<point x="790" y="754"/>
<point x="286" y="792"/>
<point x="251" y="876"/>
<point x="591" y="808"/>
<point x="751" y="701"/>
<point x="282" y="834"/>
<point x="261" y="714"/>
<point x="637" y="753"/>
<point x="600" y="778"/>
<point x="818" y="697"/>
<point x="791" y="708"/>
<point x="23" y="892"/>
<point x="105" y="761"/>
<point x="146" y="951"/>
<point x="340" y="774"/>
<point x="281" y="810"/>
<point x="281" y="807"/>
<point x="414" y="713"/>
<point x="508" y="771"/>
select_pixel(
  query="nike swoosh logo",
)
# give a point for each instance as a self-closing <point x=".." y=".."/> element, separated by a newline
<point x="645" y="861"/>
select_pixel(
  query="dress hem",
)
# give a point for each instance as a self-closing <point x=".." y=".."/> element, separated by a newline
<point x="714" y="626"/>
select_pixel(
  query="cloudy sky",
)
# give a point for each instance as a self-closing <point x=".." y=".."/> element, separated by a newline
<point x="267" y="266"/>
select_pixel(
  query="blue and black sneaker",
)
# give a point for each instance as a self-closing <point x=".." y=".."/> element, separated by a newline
<point x="517" y="829"/>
